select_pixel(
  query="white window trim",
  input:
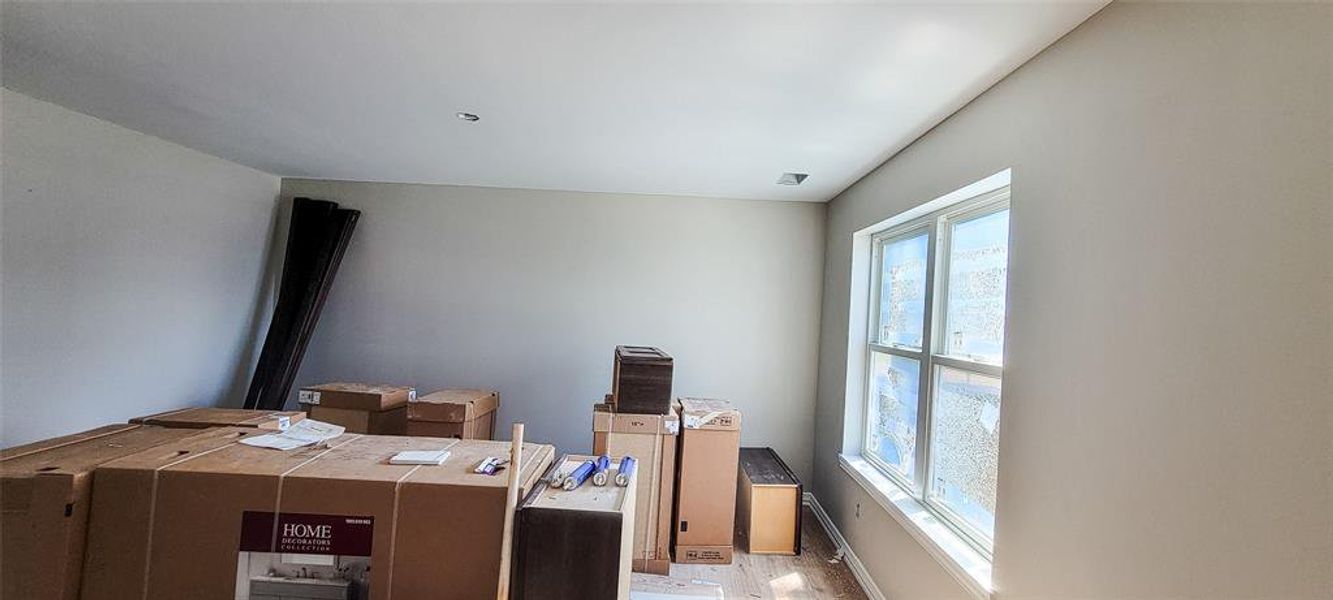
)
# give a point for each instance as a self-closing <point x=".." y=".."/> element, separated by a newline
<point x="954" y="551"/>
<point x="946" y="546"/>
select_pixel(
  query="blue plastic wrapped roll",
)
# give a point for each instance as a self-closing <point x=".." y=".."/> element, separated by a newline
<point x="626" y="471"/>
<point x="579" y="475"/>
<point x="600" y="469"/>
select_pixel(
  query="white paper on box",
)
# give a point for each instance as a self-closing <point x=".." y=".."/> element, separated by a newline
<point x="308" y="397"/>
<point x="420" y="457"/>
<point x="303" y="433"/>
<point x="697" y="421"/>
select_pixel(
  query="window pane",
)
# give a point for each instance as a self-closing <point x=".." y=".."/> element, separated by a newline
<point x="978" y="268"/>
<point x="893" y="402"/>
<point x="902" y="296"/>
<point x="965" y="434"/>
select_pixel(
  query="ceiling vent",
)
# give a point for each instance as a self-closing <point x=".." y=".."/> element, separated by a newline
<point x="792" y="178"/>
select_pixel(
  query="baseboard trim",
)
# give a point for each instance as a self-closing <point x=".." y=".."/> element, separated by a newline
<point x="848" y="556"/>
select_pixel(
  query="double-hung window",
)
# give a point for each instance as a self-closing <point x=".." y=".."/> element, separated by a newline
<point x="935" y="352"/>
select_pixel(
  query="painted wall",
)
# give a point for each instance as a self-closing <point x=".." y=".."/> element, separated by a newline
<point x="528" y="292"/>
<point x="133" y="272"/>
<point x="1168" y="400"/>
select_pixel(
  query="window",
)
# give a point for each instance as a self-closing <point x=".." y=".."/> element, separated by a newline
<point x="935" y="351"/>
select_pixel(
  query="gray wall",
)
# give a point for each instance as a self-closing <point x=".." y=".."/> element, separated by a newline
<point x="1168" y="399"/>
<point x="132" y="272"/>
<point x="529" y="291"/>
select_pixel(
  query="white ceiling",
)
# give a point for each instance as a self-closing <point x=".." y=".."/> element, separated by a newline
<point x="711" y="100"/>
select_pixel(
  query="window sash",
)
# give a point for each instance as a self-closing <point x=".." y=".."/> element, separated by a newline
<point x="937" y="225"/>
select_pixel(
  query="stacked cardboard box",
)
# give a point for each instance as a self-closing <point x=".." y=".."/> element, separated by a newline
<point x="45" y="493"/>
<point x="360" y="407"/>
<point x="651" y="440"/>
<point x="219" y="520"/>
<point x="203" y="418"/>
<point x="464" y="414"/>
<point x="705" y="517"/>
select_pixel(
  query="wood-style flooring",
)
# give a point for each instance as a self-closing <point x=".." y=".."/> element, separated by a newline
<point x="816" y="573"/>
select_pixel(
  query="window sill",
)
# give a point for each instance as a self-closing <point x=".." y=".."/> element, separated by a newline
<point x="960" y="559"/>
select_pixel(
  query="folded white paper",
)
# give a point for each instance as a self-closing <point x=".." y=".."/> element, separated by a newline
<point x="420" y="457"/>
<point x="303" y="433"/>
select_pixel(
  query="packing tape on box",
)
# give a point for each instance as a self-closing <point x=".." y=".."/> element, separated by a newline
<point x="152" y="498"/>
<point x="393" y="528"/>
<point x="152" y="508"/>
<point x="277" y="502"/>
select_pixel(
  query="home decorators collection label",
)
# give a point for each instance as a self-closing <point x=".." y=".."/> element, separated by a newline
<point x="292" y="555"/>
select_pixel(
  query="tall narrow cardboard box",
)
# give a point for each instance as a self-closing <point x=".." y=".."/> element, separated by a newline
<point x="705" y="519"/>
<point x="651" y="440"/>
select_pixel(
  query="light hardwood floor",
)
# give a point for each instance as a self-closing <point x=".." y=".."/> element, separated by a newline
<point x="813" y="574"/>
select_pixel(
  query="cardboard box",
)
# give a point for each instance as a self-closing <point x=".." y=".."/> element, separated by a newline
<point x="45" y="494"/>
<point x="199" y="522"/>
<point x="357" y="396"/>
<point x="768" y="504"/>
<point x="577" y="543"/>
<point x="201" y="418"/>
<point x="387" y="422"/>
<point x="709" y="456"/>
<point x="465" y="414"/>
<point x="651" y="440"/>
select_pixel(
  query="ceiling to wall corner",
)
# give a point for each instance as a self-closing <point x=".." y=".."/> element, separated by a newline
<point x="688" y="99"/>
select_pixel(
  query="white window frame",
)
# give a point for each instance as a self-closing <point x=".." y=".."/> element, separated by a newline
<point x="932" y="353"/>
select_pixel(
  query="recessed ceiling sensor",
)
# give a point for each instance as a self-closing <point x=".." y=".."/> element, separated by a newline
<point x="792" y="178"/>
<point x="467" y="116"/>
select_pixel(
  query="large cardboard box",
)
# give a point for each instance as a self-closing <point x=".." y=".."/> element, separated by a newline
<point x="768" y="504"/>
<point x="357" y="396"/>
<point x="218" y="523"/>
<point x="705" y="518"/>
<point x="202" y="418"/>
<point x="464" y="414"/>
<point x="383" y="422"/>
<point x="651" y="440"/>
<point x="45" y="493"/>
<point x="576" y="543"/>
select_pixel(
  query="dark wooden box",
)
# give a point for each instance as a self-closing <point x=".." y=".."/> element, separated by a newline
<point x="768" y="504"/>
<point x="574" y="544"/>
<point x="641" y="382"/>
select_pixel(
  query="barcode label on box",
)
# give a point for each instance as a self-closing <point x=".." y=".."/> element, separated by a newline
<point x="308" y="397"/>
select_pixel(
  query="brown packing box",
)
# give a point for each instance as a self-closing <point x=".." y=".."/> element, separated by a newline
<point x="45" y="490"/>
<point x="357" y="396"/>
<point x="200" y="418"/>
<point x="651" y="440"/>
<point x="167" y="525"/>
<point x="387" y="422"/>
<point x="709" y="456"/>
<point x="768" y="504"/>
<point x="466" y="414"/>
